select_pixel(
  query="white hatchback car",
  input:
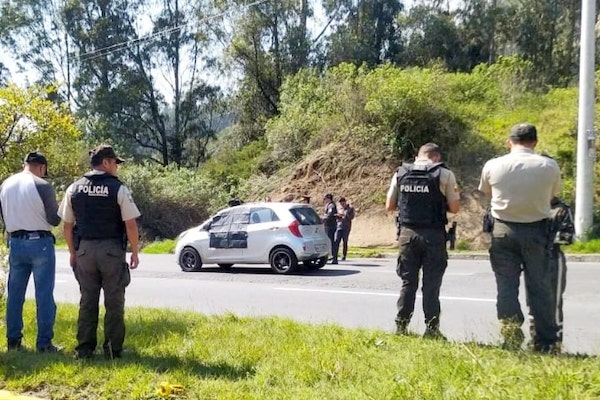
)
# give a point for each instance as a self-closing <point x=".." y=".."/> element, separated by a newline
<point x="279" y="234"/>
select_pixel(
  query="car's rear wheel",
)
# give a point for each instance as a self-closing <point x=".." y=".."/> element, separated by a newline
<point x="316" y="263"/>
<point x="283" y="260"/>
<point x="225" y="267"/>
<point x="189" y="260"/>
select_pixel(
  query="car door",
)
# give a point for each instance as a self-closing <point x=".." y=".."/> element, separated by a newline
<point x="262" y="228"/>
<point x="227" y="236"/>
<point x="218" y="241"/>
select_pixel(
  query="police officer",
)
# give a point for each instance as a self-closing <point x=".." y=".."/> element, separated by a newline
<point x="422" y="193"/>
<point x="28" y="205"/>
<point x="330" y="222"/>
<point x="521" y="185"/>
<point x="98" y="213"/>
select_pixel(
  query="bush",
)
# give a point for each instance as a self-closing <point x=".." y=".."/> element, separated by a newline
<point x="171" y="199"/>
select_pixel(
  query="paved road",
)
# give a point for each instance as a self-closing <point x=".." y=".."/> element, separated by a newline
<point x="358" y="293"/>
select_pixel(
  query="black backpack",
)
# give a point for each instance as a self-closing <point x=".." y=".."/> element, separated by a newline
<point x="562" y="227"/>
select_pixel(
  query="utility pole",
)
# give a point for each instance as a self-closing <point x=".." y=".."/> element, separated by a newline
<point x="586" y="137"/>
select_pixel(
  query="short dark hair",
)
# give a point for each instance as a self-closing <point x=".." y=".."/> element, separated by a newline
<point x="342" y="199"/>
<point x="430" y="148"/>
<point x="523" y="132"/>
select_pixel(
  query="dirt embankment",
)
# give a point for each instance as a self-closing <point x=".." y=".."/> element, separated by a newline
<point x="364" y="183"/>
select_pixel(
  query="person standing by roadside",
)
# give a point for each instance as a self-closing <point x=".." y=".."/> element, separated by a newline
<point x="344" y="225"/>
<point x="422" y="193"/>
<point x="521" y="185"/>
<point x="28" y="205"/>
<point x="99" y="213"/>
<point x="330" y="222"/>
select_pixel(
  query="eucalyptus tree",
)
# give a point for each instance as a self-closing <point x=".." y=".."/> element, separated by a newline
<point x="363" y="31"/>
<point x="135" y="69"/>
<point x="33" y="32"/>
<point x="544" y="32"/>
<point x="143" y="87"/>
<point x="431" y="35"/>
<point x="479" y="22"/>
<point x="536" y="35"/>
<point x="265" y="41"/>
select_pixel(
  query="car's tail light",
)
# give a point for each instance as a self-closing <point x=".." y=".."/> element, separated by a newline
<point x="295" y="228"/>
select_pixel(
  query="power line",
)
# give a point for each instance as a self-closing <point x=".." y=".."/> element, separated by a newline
<point x="123" y="45"/>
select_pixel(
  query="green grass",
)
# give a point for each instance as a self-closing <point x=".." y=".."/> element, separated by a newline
<point x="227" y="357"/>
<point x="589" y="247"/>
<point x="370" y="252"/>
<point x="166" y="246"/>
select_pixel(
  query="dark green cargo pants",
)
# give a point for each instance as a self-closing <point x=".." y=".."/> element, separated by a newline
<point x="101" y="265"/>
<point x="524" y="247"/>
<point x="421" y="248"/>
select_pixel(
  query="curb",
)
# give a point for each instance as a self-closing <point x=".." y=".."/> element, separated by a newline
<point x="486" y="256"/>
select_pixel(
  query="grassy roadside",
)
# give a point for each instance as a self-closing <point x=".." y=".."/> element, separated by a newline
<point x="167" y="246"/>
<point x="226" y="357"/>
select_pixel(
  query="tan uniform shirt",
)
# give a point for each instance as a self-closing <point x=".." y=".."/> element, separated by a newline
<point x="128" y="208"/>
<point x="448" y="185"/>
<point x="521" y="185"/>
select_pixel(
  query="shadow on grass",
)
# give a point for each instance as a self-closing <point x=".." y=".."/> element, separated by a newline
<point x="146" y="333"/>
<point x="26" y="363"/>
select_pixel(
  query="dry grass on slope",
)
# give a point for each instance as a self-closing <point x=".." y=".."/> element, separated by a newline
<point x="363" y="179"/>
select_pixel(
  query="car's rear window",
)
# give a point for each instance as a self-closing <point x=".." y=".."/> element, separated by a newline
<point x="306" y="216"/>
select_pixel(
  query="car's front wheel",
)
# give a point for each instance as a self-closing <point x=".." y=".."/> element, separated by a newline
<point x="189" y="260"/>
<point x="316" y="263"/>
<point x="283" y="260"/>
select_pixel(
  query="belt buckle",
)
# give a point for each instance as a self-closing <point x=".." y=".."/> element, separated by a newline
<point x="33" y="236"/>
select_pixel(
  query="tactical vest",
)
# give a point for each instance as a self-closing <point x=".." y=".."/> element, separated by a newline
<point x="330" y="219"/>
<point x="97" y="212"/>
<point x="421" y="204"/>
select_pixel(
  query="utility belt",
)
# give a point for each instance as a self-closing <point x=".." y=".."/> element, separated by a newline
<point x="543" y="223"/>
<point x="30" y="235"/>
<point x="78" y="239"/>
<point x="101" y="238"/>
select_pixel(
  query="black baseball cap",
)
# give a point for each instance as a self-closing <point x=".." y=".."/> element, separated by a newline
<point x="35" y="157"/>
<point x="103" y="151"/>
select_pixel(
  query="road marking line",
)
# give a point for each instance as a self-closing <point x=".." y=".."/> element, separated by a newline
<point x="379" y="294"/>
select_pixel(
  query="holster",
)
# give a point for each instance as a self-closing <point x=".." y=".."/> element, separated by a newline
<point x="451" y="235"/>
<point x="488" y="221"/>
<point x="76" y="238"/>
<point x="124" y="241"/>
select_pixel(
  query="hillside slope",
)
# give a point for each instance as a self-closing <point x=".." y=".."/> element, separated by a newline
<point x="363" y="180"/>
